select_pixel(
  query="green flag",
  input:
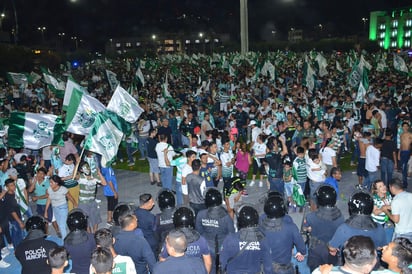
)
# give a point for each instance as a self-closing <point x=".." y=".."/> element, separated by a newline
<point x="17" y="78"/>
<point x="34" y="130"/>
<point x="104" y="138"/>
<point x="124" y="105"/>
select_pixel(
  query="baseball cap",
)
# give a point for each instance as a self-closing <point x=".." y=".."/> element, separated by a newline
<point x="253" y="122"/>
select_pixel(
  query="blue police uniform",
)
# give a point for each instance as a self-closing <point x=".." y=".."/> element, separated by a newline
<point x="281" y="237"/>
<point x="164" y="223"/>
<point x="323" y="223"/>
<point x="196" y="244"/>
<point x="147" y="223"/>
<point x="129" y="244"/>
<point x="255" y="252"/>
<point x="180" y="265"/>
<point x="214" y="224"/>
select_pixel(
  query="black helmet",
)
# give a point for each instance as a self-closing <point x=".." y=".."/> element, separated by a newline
<point x="166" y="199"/>
<point x="274" y="194"/>
<point x="275" y="207"/>
<point x="361" y="203"/>
<point x="36" y="222"/>
<point x="247" y="217"/>
<point x="184" y="217"/>
<point x="119" y="211"/>
<point x="213" y="198"/>
<point x="77" y="220"/>
<point x="326" y="196"/>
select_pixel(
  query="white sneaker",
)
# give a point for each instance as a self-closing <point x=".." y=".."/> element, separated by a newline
<point x="10" y="246"/>
<point x="98" y="201"/>
<point x="4" y="264"/>
<point x="5" y="252"/>
<point x="260" y="184"/>
<point x="252" y="183"/>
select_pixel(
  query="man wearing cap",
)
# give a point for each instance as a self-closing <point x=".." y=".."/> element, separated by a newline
<point x="255" y="132"/>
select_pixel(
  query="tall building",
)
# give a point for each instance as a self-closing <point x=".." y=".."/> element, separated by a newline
<point x="391" y="29"/>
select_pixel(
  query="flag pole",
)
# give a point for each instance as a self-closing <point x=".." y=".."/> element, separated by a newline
<point x="77" y="164"/>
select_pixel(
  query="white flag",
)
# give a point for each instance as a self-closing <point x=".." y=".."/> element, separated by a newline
<point x="111" y="78"/>
<point x="124" y="105"/>
<point x="70" y="86"/>
<point x="399" y="64"/>
<point x="139" y="76"/>
<point x="104" y="138"/>
<point x="34" y="130"/>
<point x="81" y="112"/>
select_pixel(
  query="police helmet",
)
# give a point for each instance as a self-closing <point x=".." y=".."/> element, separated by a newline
<point x="213" y="198"/>
<point x="274" y="193"/>
<point x="120" y="210"/>
<point x="247" y="217"/>
<point x="36" y="222"/>
<point x="184" y="217"/>
<point x="166" y="199"/>
<point x="360" y="203"/>
<point x="77" y="220"/>
<point x="326" y="196"/>
<point x="275" y="207"/>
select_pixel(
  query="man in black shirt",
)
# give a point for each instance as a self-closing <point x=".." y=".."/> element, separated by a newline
<point x="12" y="208"/>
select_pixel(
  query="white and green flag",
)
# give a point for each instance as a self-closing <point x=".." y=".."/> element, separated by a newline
<point x="17" y="78"/>
<point x="34" y="130"/>
<point x="338" y="67"/>
<point x="322" y="64"/>
<point x="124" y="105"/>
<point x="112" y="79"/>
<point x="139" y="76"/>
<point x="54" y="84"/>
<point x="70" y="86"/>
<point x="104" y="138"/>
<point x="399" y="64"/>
<point x="308" y="76"/>
<point x="33" y="77"/>
<point x="81" y="112"/>
<point x="268" y="69"/>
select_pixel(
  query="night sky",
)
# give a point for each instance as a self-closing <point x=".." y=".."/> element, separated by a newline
<point x="95" y="21"/>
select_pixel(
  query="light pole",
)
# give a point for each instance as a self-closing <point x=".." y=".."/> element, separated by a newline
<point x="154" y="37"/>
<point x="244" y="27"/>
<point x="2" y="15"/>
<point x="364" y="20"/>
<point x="42" y="30"/>
<point x="61" y="36"/>
<point x="202" y="41"/>
<point x="74" y="38"/>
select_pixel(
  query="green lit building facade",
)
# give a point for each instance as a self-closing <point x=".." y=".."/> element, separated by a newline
<point x="391" y="29"/>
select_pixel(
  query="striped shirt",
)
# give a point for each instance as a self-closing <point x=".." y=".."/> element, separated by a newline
<point x="87" y="189"/>
<point x="299" y="169"/>
<point x="381" y="218"/>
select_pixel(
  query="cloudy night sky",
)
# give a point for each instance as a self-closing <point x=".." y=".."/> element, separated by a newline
<point x="96" y="21"/>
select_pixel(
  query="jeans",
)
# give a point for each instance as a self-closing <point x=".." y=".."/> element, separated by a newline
<point x="60" y="213"/>
<point x="404" y="158"/>
<point x="386" y="170"/>
<point x="129" y="151"/>
<point x="17" y="233"/>
<point x="185" y="141"/>
<point x="179" y="195"/>
<point x="166" y="176"/>
<point x="356" y="151"/>
<point x="142" y="146"/>
<point x="372" y="176"/>
<point x="276" y="184"/>
<point x="176" y="140"/>
<point x="283" y="268"/>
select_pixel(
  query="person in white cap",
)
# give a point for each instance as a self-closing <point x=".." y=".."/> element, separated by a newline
<point x="255" y="132"/>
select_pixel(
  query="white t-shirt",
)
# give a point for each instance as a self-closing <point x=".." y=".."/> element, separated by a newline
<point x="255" y="133"/>
<point x="187" y="169"/>
<point x="46" y="153"/>
<point x="327" y="155"/>
<point x="66" y="170"/>
<point x="372" y="159"/>
<point x="160" y="154"/>
<point x="401" y="205"/>
<point x="122" y="265"/>
<point x="315" y="175"/>
<point x="259" y="150"/>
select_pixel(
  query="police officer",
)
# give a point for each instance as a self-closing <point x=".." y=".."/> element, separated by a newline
<point x="214" y="223"/>
<point x="79" y="243"/>
<point x="32" y="252"/>
<point x="321" y="225"/>
<point x="164" y="220"/>
<point x="147" y="220"/>
<point x="360" y="222"/>
<point x="184" y="220"/>
<point x="245" y="251"/>
<point x="281" y="236"/>
<point x="119" y="211"/>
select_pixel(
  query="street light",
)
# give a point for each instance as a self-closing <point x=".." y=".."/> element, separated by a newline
<point x="42" y="30"/>
<point x="364" y="20"/>
<point x="74" y="38"/>
<point x="1" y="20"/>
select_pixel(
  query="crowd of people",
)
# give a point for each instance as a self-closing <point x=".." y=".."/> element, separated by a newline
<point x="226" y="128"/>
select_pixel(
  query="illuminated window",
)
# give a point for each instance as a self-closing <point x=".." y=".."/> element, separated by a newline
<point x="395" y="23"/>
<point x="408" y="23"/>
<point x="382" y="26"/>
<point x="393" y="44"/>
<point x="187" y="41"/>
<point x="118" y="45"/>
<point x="382" y="35"/>
<point x="197" y="41"/>
<point x="408" y="33"/>
<point x="394" y="33"/>
<point x="407" y="43"/>
<point x="128" y="44"/>
<point x="137" y="44"/>
<point x="381" y="44"/>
